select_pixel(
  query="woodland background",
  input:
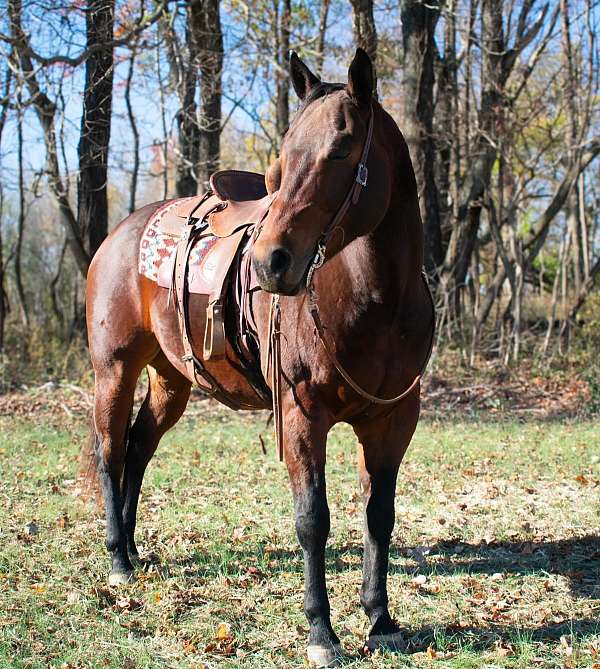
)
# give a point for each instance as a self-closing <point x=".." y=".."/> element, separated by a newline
<point x="106" y="105"/>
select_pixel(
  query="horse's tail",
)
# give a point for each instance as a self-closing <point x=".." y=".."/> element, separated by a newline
<point x="88" y="466"/>
<point x="88" y="463"/>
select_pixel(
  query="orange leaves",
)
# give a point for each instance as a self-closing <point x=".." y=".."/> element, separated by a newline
<point x="224" y="643"/>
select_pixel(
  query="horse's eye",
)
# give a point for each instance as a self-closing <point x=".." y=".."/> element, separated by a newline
<point x="339" y="154"/>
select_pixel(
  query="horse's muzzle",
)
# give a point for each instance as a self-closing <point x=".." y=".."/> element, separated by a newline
<point x="277" y="272"/>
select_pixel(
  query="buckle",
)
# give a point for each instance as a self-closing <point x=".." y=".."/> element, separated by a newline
<point x="362" y="174"/>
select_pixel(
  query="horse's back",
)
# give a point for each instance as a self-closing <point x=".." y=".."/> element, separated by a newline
<point x="118" y="298"/>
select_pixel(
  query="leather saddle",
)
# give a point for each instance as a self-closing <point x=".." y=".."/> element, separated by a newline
<point x="222" y="220"/>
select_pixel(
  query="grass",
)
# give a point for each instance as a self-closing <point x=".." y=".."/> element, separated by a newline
<point x="495" y="559"/>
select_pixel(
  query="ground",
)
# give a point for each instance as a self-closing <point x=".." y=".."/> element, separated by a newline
<point x="495" y="559"/>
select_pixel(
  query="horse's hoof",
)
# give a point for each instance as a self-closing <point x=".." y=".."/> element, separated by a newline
<point x="121" y="578"/>
<point x="394" y="641"/>
<point x="324" y="656"/>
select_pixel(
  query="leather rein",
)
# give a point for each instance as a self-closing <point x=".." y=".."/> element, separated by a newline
<point x="274" y="354"/>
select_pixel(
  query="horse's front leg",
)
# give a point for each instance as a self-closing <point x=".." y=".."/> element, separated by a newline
<point x="305" y="459"/>
<point x="383" y="443"/>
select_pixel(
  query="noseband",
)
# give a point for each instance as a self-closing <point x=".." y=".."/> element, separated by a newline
<point x="274" y="354"/>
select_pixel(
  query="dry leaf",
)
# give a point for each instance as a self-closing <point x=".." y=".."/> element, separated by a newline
<point x="504" y="649"/>
<point x="223" y="632"/>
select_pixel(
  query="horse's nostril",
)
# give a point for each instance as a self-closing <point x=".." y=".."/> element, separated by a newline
<point x="279" y="262"/>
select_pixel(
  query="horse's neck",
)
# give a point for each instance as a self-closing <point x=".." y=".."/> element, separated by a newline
<point x="385" y="264"/>
<point x="392" y="253"/>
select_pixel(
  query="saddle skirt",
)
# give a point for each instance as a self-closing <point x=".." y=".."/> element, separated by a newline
<point x="196" y="245"/>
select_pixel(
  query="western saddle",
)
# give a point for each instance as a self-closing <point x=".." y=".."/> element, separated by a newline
<point x="228" y="216"/>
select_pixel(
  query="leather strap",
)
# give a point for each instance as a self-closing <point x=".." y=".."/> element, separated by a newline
<point x="214" y="333"/>
<point x="274" y="361"/>
<point x="196" y="371"/>
<point x="314" y="312"/>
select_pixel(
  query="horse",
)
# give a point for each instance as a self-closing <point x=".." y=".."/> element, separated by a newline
<point x="358" y="336"/>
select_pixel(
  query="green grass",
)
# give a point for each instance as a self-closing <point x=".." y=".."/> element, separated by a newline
<point x="495" y="559"/>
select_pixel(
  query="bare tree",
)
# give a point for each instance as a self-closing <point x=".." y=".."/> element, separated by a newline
<point x="4" y="105"/>
<point x="282" y="46"/>
<point x="45" y="110"/>
<point x="419" y="20"/>
<point x="135" y="168"/>
<point x="92" y="200"/>
<point x="323" y="17"/>
<point x="205" y="23"/>
<point x="365" y="31"/>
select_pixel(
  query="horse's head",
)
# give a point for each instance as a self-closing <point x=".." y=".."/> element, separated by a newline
<point x="314" y="174"/>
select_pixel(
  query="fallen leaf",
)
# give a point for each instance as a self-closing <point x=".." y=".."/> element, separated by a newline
<point x="504" y="649"/>
<point x="125" y="603"/>
<point x="223" y="632"/>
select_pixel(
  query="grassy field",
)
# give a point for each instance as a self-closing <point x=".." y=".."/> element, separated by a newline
<point x="495" y="560"/>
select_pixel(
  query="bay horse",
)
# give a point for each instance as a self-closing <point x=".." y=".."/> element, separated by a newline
<point x="376" y="316"/>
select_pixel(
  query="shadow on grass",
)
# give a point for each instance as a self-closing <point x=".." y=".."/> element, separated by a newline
<point x="577" y="559"/>
<point x="482" y="638"/>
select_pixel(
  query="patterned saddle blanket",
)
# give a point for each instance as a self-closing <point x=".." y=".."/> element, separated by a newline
<point x="158" y="248"/>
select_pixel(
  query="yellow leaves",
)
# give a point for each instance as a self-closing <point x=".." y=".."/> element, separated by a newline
<point x="224" y="643"/>
<point x="39" y="588"/>
<point x="223" y="632"/>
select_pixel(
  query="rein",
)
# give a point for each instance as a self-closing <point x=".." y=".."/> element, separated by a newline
<point x="274" y="353"/>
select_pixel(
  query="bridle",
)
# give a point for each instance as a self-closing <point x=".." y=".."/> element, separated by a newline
<point x="274" y="353"/>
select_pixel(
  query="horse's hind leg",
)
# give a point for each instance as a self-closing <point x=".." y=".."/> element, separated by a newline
<point x="383" y="443"/>
<point x="166" y="399"/>
<point x="114" y="390"/>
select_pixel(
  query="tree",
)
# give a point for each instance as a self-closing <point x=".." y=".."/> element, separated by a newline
<point x="205" y="23"/>
<point x="92" y="201"/>
<point x="419" y="20"/>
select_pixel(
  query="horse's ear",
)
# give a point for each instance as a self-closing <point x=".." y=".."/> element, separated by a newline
<point x="360" y="77"/>
<point x="302" y="78"/>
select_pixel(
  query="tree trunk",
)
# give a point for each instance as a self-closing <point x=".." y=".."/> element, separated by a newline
<point x="186" y="177"/>
<point x="418" y="36"/>
<point x="135" y="168"/>
<point x="323" y="15"/>
<point x="205" y="23"/>
<point x="282" y="100"/>
<point x="92" y="200"/>
<point x="20" y="224"/>
<point x="3" y="114"/>
<point x="365" y="32"/>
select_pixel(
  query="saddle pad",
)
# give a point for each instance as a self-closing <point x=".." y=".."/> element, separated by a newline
<point x="157" y="248"/>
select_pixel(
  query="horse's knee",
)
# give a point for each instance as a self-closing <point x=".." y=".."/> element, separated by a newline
<point x="312" y="520"/>
<point x="380" y="517"/>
